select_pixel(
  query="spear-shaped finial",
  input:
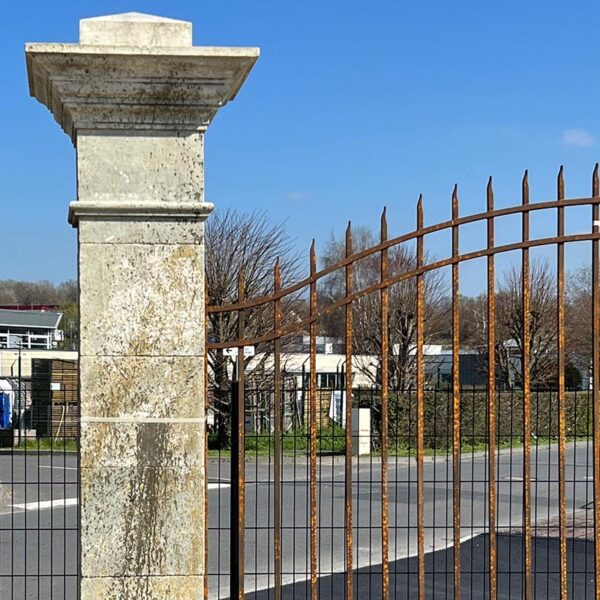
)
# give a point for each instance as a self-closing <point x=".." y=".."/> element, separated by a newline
<point x="525" y="187"/>
<point x="595" y="182"/>
<point x="455" y="201"/>
<point x="313" y="257"/>
<point x="349" y="239"/>
<point x="384" y="225"/>
<point x="420" y="212"/>
<point x="490" y="194"/>
<point x="560" y="184"/>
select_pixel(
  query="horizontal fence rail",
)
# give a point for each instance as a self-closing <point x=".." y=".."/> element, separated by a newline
<point x="478" y="490"/>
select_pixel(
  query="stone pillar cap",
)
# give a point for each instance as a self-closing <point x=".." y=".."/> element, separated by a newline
<point x="135" y="29"/>
<point x="135" y="72"/>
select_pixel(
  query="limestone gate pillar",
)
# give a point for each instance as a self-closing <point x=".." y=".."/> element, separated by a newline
<point x="136" y="97"/>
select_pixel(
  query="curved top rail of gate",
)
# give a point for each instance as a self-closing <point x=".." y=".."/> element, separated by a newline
<point x="418" y="234"/>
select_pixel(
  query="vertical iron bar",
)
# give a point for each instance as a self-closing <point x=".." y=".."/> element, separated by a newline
<point x="206" y="441"/>
<point x="491" y="385"/>
<point x="277" y="433"/>
<point x="420" y="404"/>
<point x="526" y="379"/>
<point x="562" y="428"/>
<point x="238" y="480"/>
<point x="348" y="457"/>
<point x="384" y="413"/>
<point x="314" y="567"/>
<point x="596" y="377"/>
<point x="455" y="399"/>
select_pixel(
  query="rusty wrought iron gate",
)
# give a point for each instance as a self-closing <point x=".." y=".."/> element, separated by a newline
<point x="467" y="490"/>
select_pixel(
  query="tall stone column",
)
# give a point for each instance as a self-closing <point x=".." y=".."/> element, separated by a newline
<point x="136" y="97"/>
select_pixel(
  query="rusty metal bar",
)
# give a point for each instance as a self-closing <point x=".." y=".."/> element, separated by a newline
<point x="455" y="400"/>
<point x="205" y="369"/>
<point x="258" y="301"/>
<point x="420" y="406"/>
<point x="526" y="379"/>
<point x="348" y="454"/>
<point x="384" y="308"/>
<point x="397" y="278"/>
<point x="314" y="567"/>
<point x="238" y="456"/>
<point x="596" y="376"/>
<point x="277" y="434"/>
<point x="560" y="347"/>
<point x="491" y="385"/>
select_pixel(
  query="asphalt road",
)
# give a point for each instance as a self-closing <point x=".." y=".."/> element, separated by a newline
<point x="38" y="523"/>
<point x="402" y="512"/>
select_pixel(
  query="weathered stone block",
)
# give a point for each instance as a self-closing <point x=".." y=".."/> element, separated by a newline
<point x="140" y="387"/>
<point x="141" y="300"/>
<point x="141" y="167"/>
<point x="142" y="445"/>
<point x="143" y="588"/>
<point x="135" y="29"/>
<point x="142" y="521"/>
<point x="151" y="231"/>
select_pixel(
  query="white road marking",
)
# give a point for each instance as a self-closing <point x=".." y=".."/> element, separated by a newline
<point x="63" y="468"/>
<point x="46" y="504"/>
<point x="63" y="502"/>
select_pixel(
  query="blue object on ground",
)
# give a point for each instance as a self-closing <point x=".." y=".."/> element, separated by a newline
<point x="5" y="413"/>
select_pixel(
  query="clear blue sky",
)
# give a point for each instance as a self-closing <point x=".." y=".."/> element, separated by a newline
<point x="352" y="106"/>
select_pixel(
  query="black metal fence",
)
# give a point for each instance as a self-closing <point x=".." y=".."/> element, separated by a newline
<point x="39" y="485"/>
<point x="295" y="529"/>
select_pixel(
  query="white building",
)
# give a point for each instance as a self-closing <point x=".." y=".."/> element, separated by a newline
<point x="30" y="329"/>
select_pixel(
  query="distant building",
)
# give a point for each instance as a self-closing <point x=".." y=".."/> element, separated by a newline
<point x="31" y="329"/>
<point x="36" y="307"/>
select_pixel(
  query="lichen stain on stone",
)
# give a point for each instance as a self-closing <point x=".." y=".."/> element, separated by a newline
<point x="144" y="550"/>
<point x="178" y="278"/>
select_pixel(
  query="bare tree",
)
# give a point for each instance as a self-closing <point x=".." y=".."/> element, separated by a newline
<point x="27" y="293"/>
<point x="402" y="308"/>
<point x="578" y="318"/>
<point x="241" y="242"/>
<point x="509" y="325"/>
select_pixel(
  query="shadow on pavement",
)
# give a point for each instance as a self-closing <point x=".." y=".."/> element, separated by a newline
<point x="474" y="580"/>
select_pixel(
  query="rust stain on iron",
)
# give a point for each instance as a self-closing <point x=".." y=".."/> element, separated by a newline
<point x="420" y="407"/>
<point x="314" y="567"/>
<point x="525" y="365"/>
<point x="500" y="212"/>
<point x="348" y="449"/>
<point x="562" y="427"/>
<point x="455" y="400"/>
<point x="384" y="308"/>
<point x="277" y="433"/>
<point x="205" y="582"/>
<point x="433" y="266"/>
<point x="596" y="374"/>
<point x="382" y="287"/>
<point x="491" y="384"/>
<point x="241" y="455"/>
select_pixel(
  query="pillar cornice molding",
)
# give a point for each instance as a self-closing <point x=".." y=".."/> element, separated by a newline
<point x="146" y="210"/>
<point x="127" y="88"/>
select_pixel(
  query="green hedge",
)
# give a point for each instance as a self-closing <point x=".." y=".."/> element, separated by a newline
<point x="438" y="422"/>
<point x="330" y="440"/>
